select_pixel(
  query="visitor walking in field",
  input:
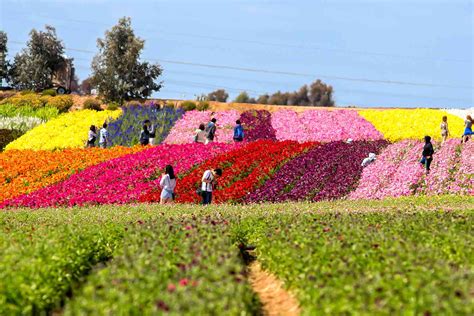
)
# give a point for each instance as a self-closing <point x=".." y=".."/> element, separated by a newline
<point x="168" y="185"/>
<point x="427" y="154"/>
<point x="144" y="136"/>
<point x="151" y="131"/>
<point x="467" y="129"/>
<point x="91" y="138"/>
<point x="211" y="131"/>
<point x="103" y="136"/>
<point x="208" y="184"/>
<point x="200" y="134"/>
<point x="444" y="128"/>
<point x="238" y="132"/>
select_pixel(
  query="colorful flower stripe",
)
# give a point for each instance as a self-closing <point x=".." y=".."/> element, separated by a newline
<point x="465" y="174"/>
<point x="257" y="125"/>
<point x="183" y="131"/>
<point x="334" y="125"/>
<point x="24" y="171"/>
<point x="120" y="180"/>
<point x="395" y="172"/>
<point x="125" y="131"/>
<point x="244" y="170"/>
<point x="65" y="131"/>
<point x="445" y="164"/>
<point x="401" y="124"/>
<point x="287" y="126"/>
<point x="225" y="125"/>
<point x="325" y="172"/>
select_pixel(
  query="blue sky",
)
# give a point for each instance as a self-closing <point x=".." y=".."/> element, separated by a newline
<point x="429" y="42"/>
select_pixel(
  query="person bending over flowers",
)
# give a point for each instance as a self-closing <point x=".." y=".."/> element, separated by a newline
<point x="209" y="183"/>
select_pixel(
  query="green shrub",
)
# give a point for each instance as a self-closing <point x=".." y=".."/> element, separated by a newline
<point x="46" y="113"/>
<point x="92" y="104"/>
<point x="7" y="136"/>
<point x="6" y="94"/>
<point x="203" y="106"/>
<point x="30" y="99"/>
<point x="62" y="102"/>
<point x="188" y="105"/>
<point x="169" y="104"/>
<point x="26" y="92"/>
<point x="112" y="106"/>
<point x="50" y="92"/>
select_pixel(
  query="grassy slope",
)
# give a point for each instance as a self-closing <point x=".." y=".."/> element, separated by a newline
<point x="412" y="254"/>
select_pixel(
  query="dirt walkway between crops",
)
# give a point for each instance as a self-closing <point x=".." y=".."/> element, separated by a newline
<point x="275" y="299"/>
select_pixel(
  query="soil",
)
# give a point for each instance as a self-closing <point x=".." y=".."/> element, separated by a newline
<point x="275" y="299"/>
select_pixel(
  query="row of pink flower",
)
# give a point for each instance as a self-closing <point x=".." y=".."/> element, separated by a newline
<point x="395" y="172"/>
<point x="120" y="180"/>
<point x="398" y="172"/>
<point x="323" y="126"/>
<point x="184" y="130"/>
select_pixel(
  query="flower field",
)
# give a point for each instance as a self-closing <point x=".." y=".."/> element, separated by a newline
<point x="336" y="257"/>
<point x="68" y="130"/>
<point x="401" y="124"/>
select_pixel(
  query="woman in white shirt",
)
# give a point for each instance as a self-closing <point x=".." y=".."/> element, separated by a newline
<point x="200" y="134"/>
<point x="167" y="184"/>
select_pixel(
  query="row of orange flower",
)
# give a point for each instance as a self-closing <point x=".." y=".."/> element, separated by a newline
<point x="24" y="171"/>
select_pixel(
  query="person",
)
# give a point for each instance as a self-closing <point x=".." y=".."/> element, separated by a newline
<point x="349" y="141"/>
<point x="152" y="132"/>
<point x="144" y="135"/>
<point x="211" y="131"/>
<point x="238" y="132"/>
<point x="103" y="136"/>
<point x="209" y="183"/>
<point x="167" y="184"/>
<point x="367" y="161"/>
<point x="467" y="129"/>
<point x="444" y="128"/>
<point x="427" y="154"/>
<point x="92" y="136"/>
<point x="200" y="134"/>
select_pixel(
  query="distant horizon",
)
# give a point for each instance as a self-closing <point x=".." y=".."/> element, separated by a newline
<point x="374" y="54"/>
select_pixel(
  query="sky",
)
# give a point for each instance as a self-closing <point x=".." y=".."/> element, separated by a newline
<point x="375" y="53"/>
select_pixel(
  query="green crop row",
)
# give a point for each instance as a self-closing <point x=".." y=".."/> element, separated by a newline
<point x="412" y="255"/>
<point x="402" y="259"/>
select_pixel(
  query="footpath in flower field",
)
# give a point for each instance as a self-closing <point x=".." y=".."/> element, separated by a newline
<point x="120" y="180"/>
<point x="336" y="257"/>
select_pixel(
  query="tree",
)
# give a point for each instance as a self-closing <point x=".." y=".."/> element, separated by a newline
<point x="243" y="97"/>
<point x="263" y="99"/>
<point x="3" y="57"/>
<point x="219" y="95"/>
<point x="34" y="67"/>
<point x="86" y="86"/>
<point x="117" y="71"/>
<point x="320" y="94"/>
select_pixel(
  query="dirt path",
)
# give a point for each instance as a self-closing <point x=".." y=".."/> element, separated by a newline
<point x="275" y="299"/>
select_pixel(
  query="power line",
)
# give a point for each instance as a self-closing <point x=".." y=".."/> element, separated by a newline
<point x="289" y="73"/>
<point x="264" y="43"/>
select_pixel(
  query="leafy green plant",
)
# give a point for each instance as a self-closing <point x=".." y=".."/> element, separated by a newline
<point x="50" y="92"/>
<point x="62" y="102"/>
<point x="188" y="105"/>
<point x="92" y="104"/>
<point x="202" y="106"/>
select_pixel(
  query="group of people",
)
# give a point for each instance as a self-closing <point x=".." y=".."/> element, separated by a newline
<point x="103" y="136"/>
<point x="467" y="134"/>
<point x="206" y="134"/>
<point x="208" y="184"/>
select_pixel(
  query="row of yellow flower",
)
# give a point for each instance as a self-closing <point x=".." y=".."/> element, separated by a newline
<point x="66" y="131"/>
<point x="401" y="124"/>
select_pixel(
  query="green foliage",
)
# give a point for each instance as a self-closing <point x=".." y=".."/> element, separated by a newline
<point x="50" y="92"/>
<point x="45" y="113"/>
<point x="243" y="97"/>
<point x="170" y="104"/>
<point x="188" y="105"/>
<point x="202" y="106"/>
<point x="7" y="136"/>
<point x="92" y="104"/>
<point x="62" y="102"/>
<point x="112" y="106"/>
<point x="351" y="260"/>
<point x="33" y="68"/>
<point x="117" y="71"/>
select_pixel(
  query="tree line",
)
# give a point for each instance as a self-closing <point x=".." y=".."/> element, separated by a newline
<point x="118" y="74"/>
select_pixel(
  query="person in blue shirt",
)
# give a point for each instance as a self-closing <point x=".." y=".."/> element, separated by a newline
<point x="238" y="132"/>
<point x="103" y="136"/>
